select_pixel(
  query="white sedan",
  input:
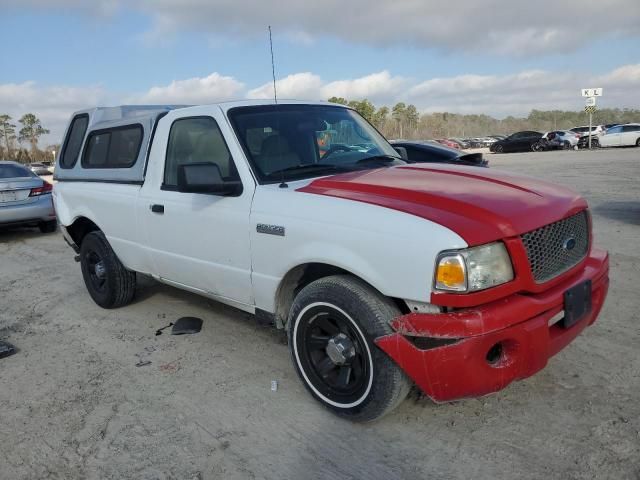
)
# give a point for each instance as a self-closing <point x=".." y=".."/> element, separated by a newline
<point x="621" y="136"/>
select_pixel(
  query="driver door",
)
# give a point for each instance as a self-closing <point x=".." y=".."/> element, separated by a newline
<point x="199" y="240"/>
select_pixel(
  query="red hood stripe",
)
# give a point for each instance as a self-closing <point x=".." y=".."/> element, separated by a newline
<point x="480" y="207"/>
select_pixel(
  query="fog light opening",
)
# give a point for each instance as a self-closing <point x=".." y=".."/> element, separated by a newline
<point x="495" y="354"/>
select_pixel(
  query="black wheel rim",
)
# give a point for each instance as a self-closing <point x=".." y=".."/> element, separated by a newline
<point x="96" y="270"/>
<point x="333" y="354"/>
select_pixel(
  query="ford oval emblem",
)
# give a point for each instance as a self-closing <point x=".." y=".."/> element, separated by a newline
<point x="569" y="244"/>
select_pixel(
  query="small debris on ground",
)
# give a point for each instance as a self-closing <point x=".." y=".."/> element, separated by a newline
<point x="187" y="325"/>
<point x="6" y="349"/>
<point x="274" y="385"/>
<point x="143" y="363"/>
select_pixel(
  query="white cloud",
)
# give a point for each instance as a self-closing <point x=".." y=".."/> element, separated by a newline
<point x="197" y="90"/>
<point x="496" y="95"/>
<point x="52" y="104"/>
<point x="377" y="87"/>
<point x="517" y="28"/>
<point x="497" y="26"/>
<point x="301" y="86"/>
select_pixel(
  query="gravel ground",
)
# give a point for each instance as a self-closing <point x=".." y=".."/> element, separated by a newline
<point x="73" y="403"/>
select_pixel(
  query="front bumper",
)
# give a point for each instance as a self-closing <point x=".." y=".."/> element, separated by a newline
<point x="518" y="323"/>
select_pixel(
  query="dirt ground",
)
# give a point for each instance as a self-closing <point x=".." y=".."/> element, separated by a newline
<point x="73" y="403"/>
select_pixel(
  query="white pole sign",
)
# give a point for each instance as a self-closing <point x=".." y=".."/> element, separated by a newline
<point x="590" y="102"/>
<point x="591" y="92"/>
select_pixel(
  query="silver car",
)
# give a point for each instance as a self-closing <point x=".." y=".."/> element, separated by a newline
<point x="565" y="139"/>
<point x="25" y="198"/>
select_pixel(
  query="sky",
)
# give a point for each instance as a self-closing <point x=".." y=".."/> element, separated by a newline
<point x="498" y="57"/>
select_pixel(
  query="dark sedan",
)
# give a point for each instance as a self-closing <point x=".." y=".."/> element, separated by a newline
<point x="427" y="152"/>
<point x="526" y="141"/>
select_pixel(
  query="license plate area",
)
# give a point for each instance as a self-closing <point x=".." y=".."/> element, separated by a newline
<point x="6" y="197"/>
<point x="577" y="304"/>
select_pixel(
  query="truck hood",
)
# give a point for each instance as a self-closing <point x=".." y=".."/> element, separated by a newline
<point x="480" y="205"/>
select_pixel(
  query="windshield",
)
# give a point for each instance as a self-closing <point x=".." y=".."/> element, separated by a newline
<point x="292" y="142"/>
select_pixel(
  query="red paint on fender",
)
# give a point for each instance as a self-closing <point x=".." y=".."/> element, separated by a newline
<point x="480" y="205"/>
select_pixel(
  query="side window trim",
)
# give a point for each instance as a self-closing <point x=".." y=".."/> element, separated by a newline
<point x="174" y="188"/>
<point x="63" y="150"/>
<point x="110" y="131"/>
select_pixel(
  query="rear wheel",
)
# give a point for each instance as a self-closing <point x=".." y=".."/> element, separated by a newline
<point x="332" y="325"/>
<point x="48" y="226"/>
<point x="638" y="142"/>
<point x="109" y="283"/>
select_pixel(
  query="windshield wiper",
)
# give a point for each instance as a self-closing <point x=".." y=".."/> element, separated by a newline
<point x="308" y="167"/>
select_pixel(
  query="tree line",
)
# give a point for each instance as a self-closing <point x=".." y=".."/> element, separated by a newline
<point x="404" y="121"/>
<point x="13" y="143"/>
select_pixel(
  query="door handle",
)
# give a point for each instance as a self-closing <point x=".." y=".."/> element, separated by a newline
<point x="156" y="208"/>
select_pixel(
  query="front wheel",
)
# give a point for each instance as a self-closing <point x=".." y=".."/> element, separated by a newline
<point x="332" y="326"/>
<point x="537" y="147"/>
<point x="638" y="142"/>
<point x="498" y="149"/>
<point x="109" y="283"/>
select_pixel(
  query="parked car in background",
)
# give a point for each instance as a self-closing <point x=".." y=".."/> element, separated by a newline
<point x="448" y="143"/>
<point x="622" y="136"/>
<point x="462" y="142"/>
<point x="39" y="169"/>
<point x="25" y="198"/>
<point x="519" y="142"/>
<point x="564" y="139"/>
<point x="584" y="130"/>
<point x="426" y="152"/>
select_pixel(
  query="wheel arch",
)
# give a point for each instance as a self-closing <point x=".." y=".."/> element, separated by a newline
<point x="302" y="275"/>
<point x="80" y="227"/>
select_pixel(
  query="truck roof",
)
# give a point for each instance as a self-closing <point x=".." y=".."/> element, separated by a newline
<point x="141" y="112"/>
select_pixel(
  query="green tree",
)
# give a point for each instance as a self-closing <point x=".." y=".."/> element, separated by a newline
<point x="31" y="130"/>
<point x="364" y="108"/>
<point x="381" y="117"/>
<point x="340" y="100"/>
<point x="398" y="114"/>
<point x="7" y="133"/>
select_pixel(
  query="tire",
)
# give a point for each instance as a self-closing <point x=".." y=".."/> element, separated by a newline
<point x="49" y="226"/>
<point x="537" y="147"/>
<point x="364" y="384"/>
<point x="638" y="142"/>
<point x="498" y="149"/>
<point x="109" y="283"/>
<point x="566" y="145"/>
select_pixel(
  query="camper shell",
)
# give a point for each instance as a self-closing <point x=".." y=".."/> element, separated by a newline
<point x="100" y="122"/>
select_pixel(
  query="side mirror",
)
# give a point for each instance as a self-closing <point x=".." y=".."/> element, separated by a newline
<point x="205" y="177"/>
<point x="403" y="153"/>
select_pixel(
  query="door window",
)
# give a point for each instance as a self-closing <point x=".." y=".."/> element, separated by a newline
<point x="197" y="140"/>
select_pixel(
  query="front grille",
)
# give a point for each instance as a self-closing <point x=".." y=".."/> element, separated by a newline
<point x="549" y="248"/>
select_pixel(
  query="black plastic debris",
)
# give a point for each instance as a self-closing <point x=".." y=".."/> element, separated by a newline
<point x="159" y="331"/>
<point x="6" y="349"/>
<point x="186" y="325"/>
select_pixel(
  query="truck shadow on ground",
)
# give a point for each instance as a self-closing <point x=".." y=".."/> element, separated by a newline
<point x="628" y="212"/>
<point x="147" y="287"/>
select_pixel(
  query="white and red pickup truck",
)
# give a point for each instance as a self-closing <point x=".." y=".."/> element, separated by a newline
<point x="458" y="279"/>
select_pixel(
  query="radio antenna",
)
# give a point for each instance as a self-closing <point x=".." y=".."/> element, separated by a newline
<point x="273" y="68"/>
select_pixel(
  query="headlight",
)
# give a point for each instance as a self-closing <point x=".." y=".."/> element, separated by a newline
<point x="474" y="268"/>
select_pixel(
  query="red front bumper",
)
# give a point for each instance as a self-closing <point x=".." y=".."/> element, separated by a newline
<point x="520" y="323"/>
